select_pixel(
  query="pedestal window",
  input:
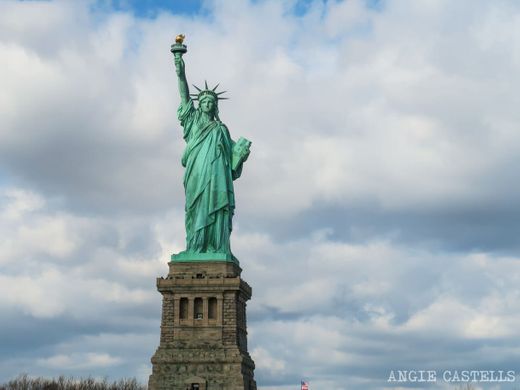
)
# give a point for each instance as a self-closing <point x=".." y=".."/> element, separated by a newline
<point x="183" y="308"/>
<point x="212" y="308"/>
<point x="198" y="309"/>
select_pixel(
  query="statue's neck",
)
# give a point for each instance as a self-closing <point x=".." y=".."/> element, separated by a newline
<point x="206" y="118"/>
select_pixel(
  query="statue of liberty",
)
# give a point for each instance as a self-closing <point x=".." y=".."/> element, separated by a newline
<point x="212" y="161"/>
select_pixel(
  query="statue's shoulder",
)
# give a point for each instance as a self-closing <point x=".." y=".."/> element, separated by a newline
<point x="222" y="124"/>
<point x="186" y="109"/>
<point x="187" y="115"/>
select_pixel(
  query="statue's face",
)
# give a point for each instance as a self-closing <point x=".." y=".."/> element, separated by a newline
<point x="208" y="105"/>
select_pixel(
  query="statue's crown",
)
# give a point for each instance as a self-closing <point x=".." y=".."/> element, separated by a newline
<point x="207" y="91"/>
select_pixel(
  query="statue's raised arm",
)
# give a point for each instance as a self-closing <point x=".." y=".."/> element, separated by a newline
<point x="178" y="49"/>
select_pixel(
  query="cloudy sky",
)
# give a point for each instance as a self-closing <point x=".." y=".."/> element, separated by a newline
<point x="378" y="217"/>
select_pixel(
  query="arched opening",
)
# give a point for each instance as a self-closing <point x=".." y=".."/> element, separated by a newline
<point x="183" y="309"/>
<point x="197" y="312"/>
<point x="196" y="383"/>
<point x="212" y="308"/>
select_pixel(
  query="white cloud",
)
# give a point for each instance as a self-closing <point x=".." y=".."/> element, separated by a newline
<point x="16" y="202"/>
<point x="79" y="361"/>
<point x="37" y="296"/>
<point x="265" y="361"/>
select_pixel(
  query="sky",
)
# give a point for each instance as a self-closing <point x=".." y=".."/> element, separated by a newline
<point x="377" y="217"/>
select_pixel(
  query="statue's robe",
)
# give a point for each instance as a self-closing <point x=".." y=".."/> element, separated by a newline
<point x="208" y="182"/>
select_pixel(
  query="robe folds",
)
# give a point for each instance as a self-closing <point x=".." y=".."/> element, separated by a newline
<point x="208" y="182"/>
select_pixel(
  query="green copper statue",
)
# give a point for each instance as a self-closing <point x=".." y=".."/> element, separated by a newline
<point x="212" y="161"/>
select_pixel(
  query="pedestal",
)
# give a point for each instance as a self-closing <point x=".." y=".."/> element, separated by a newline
<point x="203" y="343"/>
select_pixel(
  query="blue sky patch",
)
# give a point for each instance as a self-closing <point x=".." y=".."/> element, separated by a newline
<point x="150" y="8"/>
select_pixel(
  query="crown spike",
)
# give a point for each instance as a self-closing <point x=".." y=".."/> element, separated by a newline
<point x="220" y="93"/>
<point x="215" y="87"/>
<point x="223" y="98"/>
<point x="198" y="89"/>
<point x="205" y="84"/>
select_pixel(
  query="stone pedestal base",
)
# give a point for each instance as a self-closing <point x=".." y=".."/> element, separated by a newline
<point x="203" y="329"/>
